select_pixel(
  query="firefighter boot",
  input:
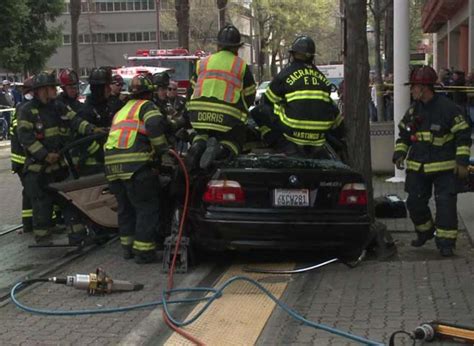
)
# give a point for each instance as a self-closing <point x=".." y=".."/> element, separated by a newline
<point x="144" y="257"/>
<point x="127" y="252"/>
<point x="286" y="147"/>
<point x="422" y="238"/>
<point x="194" y="154"/>
<point x="214" y="151"/>
<point x="445" y="246"/>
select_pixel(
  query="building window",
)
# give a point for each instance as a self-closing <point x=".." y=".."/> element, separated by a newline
<point x="153" y="36"/>
<point x="66" y="8"/>
<point x="132" y="37"/>
<point x="111" y="37"/>
<point x="84" y="7"/>
<point x="167" y="4"/>
<point x="139" y="36"/>
<point x="119" y="37"/>
<point x="87" y="38"/>
<point x="125" y="37"/>
<point x="66" y="39"/>
<point x="146" y="36"/>
<point x="80" y="38"/>
<point x="169" y="35"/>
<point x="129" y="6"/>
<point x="151" y="4"/>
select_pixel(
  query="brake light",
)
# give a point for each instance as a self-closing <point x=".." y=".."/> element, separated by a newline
<point x="353" y="194"/>
<point x="223" y="191"/>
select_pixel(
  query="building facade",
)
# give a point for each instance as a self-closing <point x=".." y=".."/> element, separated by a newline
<point x="111" y="30"/>
<point x="452" y="25"/>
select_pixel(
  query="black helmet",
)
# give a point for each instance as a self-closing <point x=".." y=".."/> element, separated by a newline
<point x="229" y="36"/>
<point x="161" y="79"/>
<point x="100" y="76"/>
<point x="44" y="79"/>
<point x="304" y="45"/>
<point x="141" y="84"/>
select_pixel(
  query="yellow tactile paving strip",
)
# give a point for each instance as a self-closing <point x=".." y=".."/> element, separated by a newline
<point x="239" y="316"/>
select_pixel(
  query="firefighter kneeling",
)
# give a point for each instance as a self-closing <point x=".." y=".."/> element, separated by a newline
<point x="437" y="139"/>
<point x="134" y="147"/>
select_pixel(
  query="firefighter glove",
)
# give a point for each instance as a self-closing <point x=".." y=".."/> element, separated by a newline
<point x="461" y="171"/>
<point x="398" y="159"/>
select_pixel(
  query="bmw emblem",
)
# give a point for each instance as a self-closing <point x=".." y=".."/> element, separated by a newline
<point x="293" y="179"/>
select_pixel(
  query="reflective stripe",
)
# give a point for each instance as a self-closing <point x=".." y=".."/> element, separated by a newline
<point x="459" y="126"/>
<point x="308" y="95"/>
<point x="195" y="105"/>
<point x="51" y="132"/>
<point x="463" y="150"/>
<point x="151" y="114"/>
<point x="36" y="167"/>
<point x="119" y="176"/>
<point x="126" y="240"/>
<point x="446" y="233"/>
<point x="401" y="147"/>
<point x="34" y="111"/>
<point x="427" y="226"/>
<point x="160" y="140"/>
<point x="302" y="124"/>
<point x="17" y="158"/>
<point x="310" y="142"/>
<point x="200" y="138"/>
<point x="249" y="90"/>
<point x="231" y="146"/>
<point x="130" y="125"/>
<point x="25" y="213"/>
<point x="272" y="97"/>
<point x="413" y="165"/>
<point x="93" y="147"/>
<point x="439" y="166"/>
<point x="210" y="126"/>
<point x="338" y="121"/>
<point x="143" y="246"/>
<point x="26" y="124"/>
<point x="440" y="141"/>
<point x="126" y="158"/>
<point x="35" y="147"/>
<point x="264" y="130"/>
<point x="402" y="125"/>
<point x="424" y="136"/>
<point x="91" y="161"/>
<point x="83" y="127"/>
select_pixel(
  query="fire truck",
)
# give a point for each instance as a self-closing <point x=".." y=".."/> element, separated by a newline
<point x="179" y="60"/>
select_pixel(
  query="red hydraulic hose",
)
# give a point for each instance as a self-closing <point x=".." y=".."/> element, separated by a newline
<point x="176" y="248"/>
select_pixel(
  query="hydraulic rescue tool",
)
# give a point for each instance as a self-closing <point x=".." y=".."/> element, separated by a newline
<point x="98" y="282"/>
<point x="440" y="330"/>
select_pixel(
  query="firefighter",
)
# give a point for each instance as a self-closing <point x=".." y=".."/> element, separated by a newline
<point x="116" y="99"/>
<point x="132" y="152"/>
<point x="296" y="112"/>
<point x="160" y="97"/>
<point x="18" y="156"/>
<point x="178" y="103"/>
<point x="435" y="140"/>
<point x="43" y="127"/>
<point x="69" y="82"/>
<point x="223" y="89"/>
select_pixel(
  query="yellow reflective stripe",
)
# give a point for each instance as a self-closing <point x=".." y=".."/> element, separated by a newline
<point x="264" y="130"/>
<point x="200" y="138"/>
<point x="51" y="132"/>
<point x="427" y="226"/>
<point x="83" y="127"/>
<point x="126" y="240"/>
<point x="34" y="111"/>
<point x="209" y="126"/>
<point x="36" y="167"/>
<point x="272" y="97"/>
<point x="216" y="107"/>
<point x="308" y="95"/>
<point x="401" y="147"/>
<point x="17" y="158"/>
<point x="311" y="142"/>
<point x="413" y="165"/>
<point x="338" y="121"/>
<point x="439" y="166"/>
<point x="439" y="141"/>
<point x="463" y="150"/>
<point x="91" y="162"/>
<point x="26" y="124"/>
<point x="402" y="125"/>
<point x="143" y="246"/>
<point x="35" y="147"/>
<point x="231" y="146"/>
<point x="302" y="124"/>
<point x="93" y="147"/>
<point x="150" y="114"/>
<point x="128" y="157"/>
<point x="160" y="140"/>
<point x="446" y="233"/>
<point x="27" y="213"/>
<point x="249" y="90"/>
<point x="424" y="136"/>
<point x="117" y="176"/>
<point x="459" y="126"/>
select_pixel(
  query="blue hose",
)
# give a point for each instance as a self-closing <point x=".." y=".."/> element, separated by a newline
<point x="216" y="293"/>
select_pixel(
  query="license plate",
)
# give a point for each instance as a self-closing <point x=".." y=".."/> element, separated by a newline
<point x="291" y="198"/>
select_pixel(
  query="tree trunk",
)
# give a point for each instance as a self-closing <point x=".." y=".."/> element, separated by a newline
<point x="388" y="41"/>
<point x="356" y="96"/>
<point x="221" y="6"/>
<point x="75" y="10"/>
<point x="378" y="62"/>
<point x="273" y="66"/>
<point x="91" y="31"/>
<point x="182" y="21"/>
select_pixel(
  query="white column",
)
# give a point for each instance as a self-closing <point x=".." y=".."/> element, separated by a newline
<point x="401" y="61"/>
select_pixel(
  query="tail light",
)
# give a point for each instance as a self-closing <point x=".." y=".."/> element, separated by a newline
<point x="223" y="191"/>
<point x="353" y="194"/>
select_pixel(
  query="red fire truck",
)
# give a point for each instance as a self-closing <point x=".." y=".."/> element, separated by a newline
<point x="179" y="60"/>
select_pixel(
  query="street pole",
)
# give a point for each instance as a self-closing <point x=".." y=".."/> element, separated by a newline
<point x="401" y="62"/>
<point x="158" y="36"/>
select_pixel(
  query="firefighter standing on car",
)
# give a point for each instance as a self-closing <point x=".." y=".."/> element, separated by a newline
<point x="223" y="89"/>
<point x="69" y="82"/>
<point x="132" y="153"/>
<point x="435" y="139"/>
<point x="43" y="127"/>
<point x="18" y="156"/>
<point x="297" y="111"/>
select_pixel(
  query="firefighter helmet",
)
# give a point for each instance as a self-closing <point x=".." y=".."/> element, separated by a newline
<point x="161" y="79"/>
<point x="304" y="45"/>
<point x="27" y="85"/>
<point x="68" y="77"/>
<point x="44" y="79"/>
<point x="100" y="76"/>
<point x="141" y="84"/>
<point x="229" y="36"/>
<point x="425" y="75"/>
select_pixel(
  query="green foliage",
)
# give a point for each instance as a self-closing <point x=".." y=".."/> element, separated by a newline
<point x="28" y="40"/>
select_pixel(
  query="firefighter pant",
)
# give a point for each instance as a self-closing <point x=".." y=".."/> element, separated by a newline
<point x="138" y="209"/>
<point x="419" y="187"/>
<point x="26" y="208"/>
<point x="233" y="140"/>
<point x="268" y="123"/>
